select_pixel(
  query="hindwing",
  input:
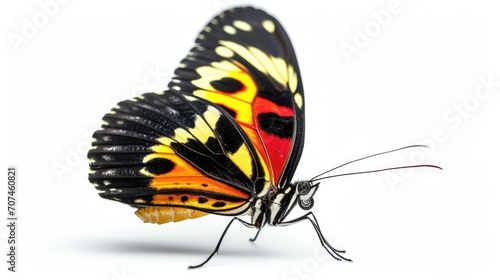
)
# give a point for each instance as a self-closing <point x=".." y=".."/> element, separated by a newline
<point x="175" y="150"/>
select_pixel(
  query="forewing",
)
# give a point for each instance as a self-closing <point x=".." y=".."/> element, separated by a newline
<point x="244" y="62"/>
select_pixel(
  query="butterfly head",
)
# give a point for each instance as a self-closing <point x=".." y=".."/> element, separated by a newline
<point x="283" y="201"/>
<point x="305" y="191"/>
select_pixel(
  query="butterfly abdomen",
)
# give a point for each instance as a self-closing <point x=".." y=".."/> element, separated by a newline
<point x="162" y="215"/>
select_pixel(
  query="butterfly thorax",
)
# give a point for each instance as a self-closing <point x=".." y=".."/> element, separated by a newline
<point x="274" y="208"/>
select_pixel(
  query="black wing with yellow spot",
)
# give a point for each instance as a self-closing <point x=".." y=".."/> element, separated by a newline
<point x="244" y="62"/>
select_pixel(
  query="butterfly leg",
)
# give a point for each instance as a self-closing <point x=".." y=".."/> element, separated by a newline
<point x="255" y="237"/>
<point x="216" y="250"/>
<point x="336" y="254"/>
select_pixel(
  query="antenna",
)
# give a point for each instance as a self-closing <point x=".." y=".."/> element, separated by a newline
<point x="315" y="178"/>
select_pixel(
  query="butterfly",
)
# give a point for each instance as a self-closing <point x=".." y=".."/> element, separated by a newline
<point x="225" y="138"/>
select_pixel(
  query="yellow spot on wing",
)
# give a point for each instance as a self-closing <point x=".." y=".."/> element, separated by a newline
<point x="242" y="25"/>
<point x="280" y="65"/>
<point x="208" y="74"/>
<point x="224" y="52"/>
<point x="244" y="53"/>
<point x="160" y="151"/>
<point x="268" y="25"/>
<point x="292" y="79"/>
<point x="243" y="160"/>
<point x="165" y="141"/>
<point x="229" y="29"/>
<point x="201" y="130"/>
<point x="226" y="65"/>
<point x="298" y="99"/>
<point x="181" y="135"/>
<point x="211" y="116"/>
<point x="261" y="151"/>
<point x="271" y="68"/>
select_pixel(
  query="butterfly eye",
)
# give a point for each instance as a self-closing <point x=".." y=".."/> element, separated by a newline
<point x="306" y="204"/>
<point x="303" y="188"/>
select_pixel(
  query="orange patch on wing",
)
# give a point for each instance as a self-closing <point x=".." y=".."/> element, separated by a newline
<point x="196" y="183"/>
<point x="183" y="176"/>
<point x="195" y="201"/>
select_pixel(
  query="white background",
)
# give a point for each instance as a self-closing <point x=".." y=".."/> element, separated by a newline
<point x="405" y="84"/>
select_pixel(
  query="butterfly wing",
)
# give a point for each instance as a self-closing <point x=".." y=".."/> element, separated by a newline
<point x="176" y="150"/>
<point x="244" y="62"/>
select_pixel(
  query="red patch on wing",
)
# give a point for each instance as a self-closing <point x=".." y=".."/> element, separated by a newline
<point x="277" y="149"/>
